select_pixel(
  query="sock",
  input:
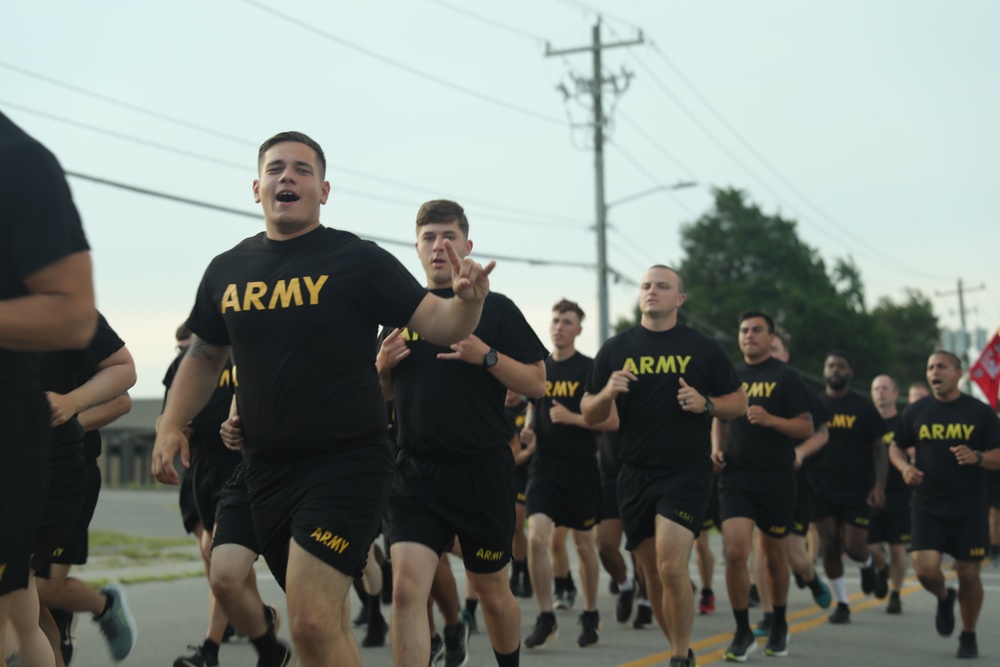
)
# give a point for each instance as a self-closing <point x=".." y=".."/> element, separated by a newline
<point x="642" y="602"/>
<point x="868" y="563"/>
<point x="521" y="566"/>
<point x="560" y="585"/>
<point x="508" y="659"/>
<point x="839" y="589"/>
<point x="779" y="617"/>
<point x="210" y="649"/>
<point x="267" y="645"/>
<point x="374" y="606"/>
<point x="967" y="636"/>
<point x="470" y="605"/>
<point x="705" y="592"/>
<point x="570" y="586"/>
<point x="768" y="619"/>
<point x="625" y="586"/>
<point x="894" y="594"/>
<point x="742" y="617"/>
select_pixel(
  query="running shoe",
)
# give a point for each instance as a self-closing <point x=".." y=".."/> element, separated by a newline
<point x="967" y="647"/>
<point x="882" y="585"/>
<point x="643" y="616"/>
<point x="198" y="657"/>
<point x="944" y="619"/>
<point x="840" y="615"/>
<point x="820" y="592"/>
<point x="591" y="623"/>
<point x="706" y="605"/>
<point x="469" y="619"/>
<point x="869" y="579"/>
<point x="546" y="629"/>
<point x="375" y="632"/>
<point x="116" y="623"/>
<point x="743" y="645"/>
<point x="623" y="608"/>
<point x="895" y="606"/>
<point x="437" y="650"/>
<point x="777" y="643"/>
<point x="456" y="645"/>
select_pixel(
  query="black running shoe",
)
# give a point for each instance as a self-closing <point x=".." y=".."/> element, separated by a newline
<point x="591" y="623"/>
<point x="967" y="647"/>
<point x="456" y="645"/>
<point x="799" y="581"/>
<point x="546" y="629"/>
<point x="375" y="632"/>
<point x="613" y="587"/>
<point x="623" y="608"/>
<point x="895" y="606"/>
<point x="882" y="585"/>
<point x="437" y="650"/>
<point x="777" y="643"/>
<point x="869" y="579"/>
<point x="742" y="646"/>
<point x="840" y="615"/>
<point x="65" y="621"/>
<point x="272" y="618"/>
<point x="643" y="616"/>
<point x="197" y="658"/>
<point x="285" y="659"/>
<point x="944" y="619"/>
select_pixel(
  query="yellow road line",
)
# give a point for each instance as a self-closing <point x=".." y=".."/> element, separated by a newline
<point x="818" y="614"/>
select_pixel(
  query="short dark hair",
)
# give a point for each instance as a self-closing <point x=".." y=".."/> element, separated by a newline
<point x="680" y="278"/>
<point x="567" y="306"/>
<point x="843" y="355"/>
<point x="750" y="314"/>
<point x="442" y="210"/>
<point x="183" y="332"/>
<point x="956" y="362"/>
<point x="783" y="336"/>
<point x="297" y="137"/>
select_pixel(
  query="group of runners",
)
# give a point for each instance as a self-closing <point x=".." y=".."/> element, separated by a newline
<point x="327" y="339"/>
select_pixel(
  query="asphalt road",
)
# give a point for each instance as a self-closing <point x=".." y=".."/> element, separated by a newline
<point x="172" y="614"/>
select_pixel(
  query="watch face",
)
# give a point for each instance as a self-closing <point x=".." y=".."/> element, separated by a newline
<point x="490" y="360"/>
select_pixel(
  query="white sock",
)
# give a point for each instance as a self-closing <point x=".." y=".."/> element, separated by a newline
<point x="625" y="586"/>
<point x="868" y="563"/>
<point x="839" y="589"/>
<point x="643" y="602"/>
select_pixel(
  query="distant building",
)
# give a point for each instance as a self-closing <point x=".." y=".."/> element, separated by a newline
<point x="127" y="451"/>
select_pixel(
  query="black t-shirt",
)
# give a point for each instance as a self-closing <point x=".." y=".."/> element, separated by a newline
<point x="777" y="388"/>
<point x="301" y="316"/>
<point x="62" y="372"/>
<point x="654" y="431"/>
<point x="206" y="424"/>
<point x="516" y="415"/>
<point x="608" y="455"/>
<point x="845" y="463"/>
<point x="565" y="382"/>
<point x="446" y="407"/>
<point x="948" y="489"/>
<point x="894" y="480"/>
<point x="38" y="227"/>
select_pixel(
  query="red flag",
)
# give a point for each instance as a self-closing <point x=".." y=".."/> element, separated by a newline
<point x="986" y="371"/>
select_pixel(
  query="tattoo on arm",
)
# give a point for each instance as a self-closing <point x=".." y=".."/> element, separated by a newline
<point x="201" y="350"/>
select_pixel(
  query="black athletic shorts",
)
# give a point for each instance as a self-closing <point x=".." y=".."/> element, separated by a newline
<point x="27" y="436"/>
<point x="75" y="548"/>
<point x="330" y="504"/>
<point x="521" y="482"/>
<point x="435" y="499"/>
<point x="765" y="496"/>
<point x="993" y="488"/>
<point x="849" y="507"/>
<point x="185" y="498"/>
<point x="679" y="494"/>
<point x="609" y="498"/>
<point x="965" y="537"/>
<point x="803" y="512"/>
<point x="891" y="523"/>
<point x="210" y="469"/>
<point x="62" y="505"/>
<point x="233" y="520"/>
<point x="567" y="490"/>
<point x="713" y="517"/>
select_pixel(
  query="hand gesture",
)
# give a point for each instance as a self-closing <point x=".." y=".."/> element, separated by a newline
<point x="471" y="351"/>
<point x="964" y="455"/>
<point x="619" y="381"/>
<point x="61" y="408"/>
<point x="392" y="351"/>
<point x="528" y="435"/>
<point x="718" y="461"/>
<point x="166" y="447"/>
<point x="876" y="497"/>
<point x="756" y="414"/>
<point x="690" y="399"/>
<point x="913" y="475"/>
<point x="559" y="414"/>
<point x="231" y="433"/>
<point x="469" y="280"/>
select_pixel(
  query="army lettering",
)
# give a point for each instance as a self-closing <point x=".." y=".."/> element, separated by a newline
<point x="283" y="295"/>
<point x="489" y="554"/>
<point x="842" y="421"/>
<point x="658" y="365"/>
<point x="946" y="432"/>
<point x="889" y="437"/>
<point x="228" y="378"/>
<point x="759" y="389"/>
<point x="561" y="388"/>
<point x="328" y="539"/>
<point x="410" y="335"/>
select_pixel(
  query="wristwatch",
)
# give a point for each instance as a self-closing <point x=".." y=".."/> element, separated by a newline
<point x="709" y="407"/>
<point x="490" y="359"/>
<point x="979" y="457"/>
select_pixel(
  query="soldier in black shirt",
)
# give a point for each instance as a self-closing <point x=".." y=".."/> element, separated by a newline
<point x="300" y="305"/>
<point x="850" y="481"/>
<point x="516" y="409"/>
<point x="454" y="467"/>
<point x="757" y="484"/>
<point x="957" y="439"/>
<point x="665" y="382"/>
<point x="565" y="487"/>
<point x="890" y="524"/>
<point x="46" y="303"/>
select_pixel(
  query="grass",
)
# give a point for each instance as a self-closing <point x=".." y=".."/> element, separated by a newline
<point x="145" y="578"/>
<point x="108" y="540"/>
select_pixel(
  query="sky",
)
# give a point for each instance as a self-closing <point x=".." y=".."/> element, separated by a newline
<point x="871" y="124"/>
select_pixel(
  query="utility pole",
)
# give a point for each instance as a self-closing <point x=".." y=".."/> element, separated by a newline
<point x="596" y="85"/>
<point x="961" y="291"/>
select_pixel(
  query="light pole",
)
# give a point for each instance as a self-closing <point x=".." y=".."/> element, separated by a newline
<point x="604" y="328"/>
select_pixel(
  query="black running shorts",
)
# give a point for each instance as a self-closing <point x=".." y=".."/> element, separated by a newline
<point x="233" y="520"/>
<point x="713" y="517"/>
<point x="210" y="469"/>
<point x="330" y="504"/>
<point x="521" y="483"/>
<point x="62" y="505"/>
<point x="851" y="509"/>
<point x="679" y="494"/>
<point x="765" y="496"/>
<point x="965" y="537"/>
<point x="891" y="523"/>
<point x="803" y="512"/>
<point x="434" y="500"/>
<point x="567" y="490"/>
<point x="75" y="547"/>
<point x="185" y="498"/>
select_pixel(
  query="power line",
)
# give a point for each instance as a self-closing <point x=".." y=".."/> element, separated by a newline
<point x="487" y="20"/>
<point x="256" y="216"/>
<point x="655" y="144"/>
<point x="402" y="66"/>
<point x="652" y="179"/>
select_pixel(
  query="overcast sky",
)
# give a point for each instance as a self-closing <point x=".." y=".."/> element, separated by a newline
<point x="871" y="123"/>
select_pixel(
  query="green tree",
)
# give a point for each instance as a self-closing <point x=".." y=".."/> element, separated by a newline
<point x="915" y="334"/>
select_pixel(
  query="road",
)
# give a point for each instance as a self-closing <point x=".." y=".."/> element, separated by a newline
<point x="172" y="614"/>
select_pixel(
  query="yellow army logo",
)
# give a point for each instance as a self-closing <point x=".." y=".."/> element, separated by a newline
<point x="842" y="421"/>
<point x="946" y="432"/>
<point x="979" y="552"/>
<point x="328" y="539"/>
<point x="561" y="388"/>
<point x="228" y="378"/>
<point x="489" y="554"/>
<point x="284" y="294"/>
<point x="759" y="389"/>
<point x="660" y="365"/>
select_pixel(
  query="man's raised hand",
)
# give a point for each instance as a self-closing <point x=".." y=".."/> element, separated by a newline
<point x="469" y="280"/>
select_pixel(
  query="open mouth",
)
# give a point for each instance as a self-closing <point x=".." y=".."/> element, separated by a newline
<point x="287" y="197"/>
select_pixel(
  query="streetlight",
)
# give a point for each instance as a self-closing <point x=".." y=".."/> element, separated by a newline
<point x="604" y="327"/>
